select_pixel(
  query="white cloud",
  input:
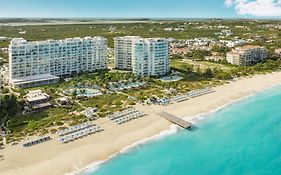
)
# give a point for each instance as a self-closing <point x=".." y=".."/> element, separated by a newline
<point x="228" y="3"/>
<point x="261" y="8"/>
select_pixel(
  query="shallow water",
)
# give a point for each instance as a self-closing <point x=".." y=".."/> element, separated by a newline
<point x="243" y="138"/>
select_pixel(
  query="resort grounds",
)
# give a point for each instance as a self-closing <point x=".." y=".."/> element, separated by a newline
<point x="54" y="158"/>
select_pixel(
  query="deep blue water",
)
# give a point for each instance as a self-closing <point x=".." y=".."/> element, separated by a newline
<point x="241" y="139"/>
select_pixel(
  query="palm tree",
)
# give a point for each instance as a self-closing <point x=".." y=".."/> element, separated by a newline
<point x="83" y="91"/>
<point x="74" y="93"/>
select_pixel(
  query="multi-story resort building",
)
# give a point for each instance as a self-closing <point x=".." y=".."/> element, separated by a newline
<point x="145" y="57"/>
<point x="150" y="57"/>
<point x="44" y="62"/>
<point x="247" y="55"/>
<point x="123" y="52"/>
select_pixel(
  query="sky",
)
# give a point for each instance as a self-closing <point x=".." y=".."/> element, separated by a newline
<point x="142" y="8"/>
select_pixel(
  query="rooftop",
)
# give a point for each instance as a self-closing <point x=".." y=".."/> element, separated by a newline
<point x="242" y="49"/>
<point x="20" y="41"/>
<point x="248" y="47"/>
<point x="36" y="95"/>
<point x="42" y="105"/>
<point x="233" y="53"/>
<point x="127" y="37"/>
<point x="138" y="38"/>
<point x="34" y="78"/>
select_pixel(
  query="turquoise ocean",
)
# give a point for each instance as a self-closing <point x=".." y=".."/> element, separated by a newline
<point x="243" y="138"/>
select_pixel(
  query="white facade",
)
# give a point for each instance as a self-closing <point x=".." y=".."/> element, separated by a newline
<point x="123" y="52"/>
<point x="151" y="57"/>
<point x="52" y="59"/>
<point x="145" y="57"/>
<point x="247" y="55"/>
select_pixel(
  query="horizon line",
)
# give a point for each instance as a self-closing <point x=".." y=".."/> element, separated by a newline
<point x="148" y="18"/>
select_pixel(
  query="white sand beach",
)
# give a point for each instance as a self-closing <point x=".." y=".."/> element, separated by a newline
<point x="55" y="158"/>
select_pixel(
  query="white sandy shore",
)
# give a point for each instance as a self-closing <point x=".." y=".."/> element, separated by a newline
<point x="57" y="159"/>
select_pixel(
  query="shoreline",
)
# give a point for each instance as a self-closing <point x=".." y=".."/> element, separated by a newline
<point x="190" y="118"/>
<point x="173" y="130"/>
<point x="103" y="147"/>
<point x="94" y="166"/>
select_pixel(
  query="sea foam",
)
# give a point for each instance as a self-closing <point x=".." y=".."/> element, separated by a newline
<point x="202" y="116"/>
<point x="173" y="130"/>
<point x="95" y="165"/>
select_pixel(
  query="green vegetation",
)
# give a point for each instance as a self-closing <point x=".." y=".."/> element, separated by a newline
<point x="109" y="31"/>
<point x="223" y="71"/>
<point x="108" y="103"/>
<point x="4" y="58"/>
<point x="42" y="122"/>
<point x="196" y="73"/>
<point x="147" y="92"/>
<point x="9" y="107"/>
<point x="193" y="29"/>
<point x="48" y="121"/>
<point x="198" y="54"/>
<point x="221" y="49"/>
<point x="4" y="44"/>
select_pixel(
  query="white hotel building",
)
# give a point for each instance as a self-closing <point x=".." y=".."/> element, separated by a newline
<point x="145" y="57"/>
<point x="123" y="52"/>
<point x="44" y="62"/>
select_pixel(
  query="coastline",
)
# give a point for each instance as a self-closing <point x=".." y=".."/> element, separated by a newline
<point x="201" y="116"/>
<point x="54" y="158"/>
<point x="94" y="166"/>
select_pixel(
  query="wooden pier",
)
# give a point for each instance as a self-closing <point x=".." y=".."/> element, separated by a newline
<point x="178" y="121"/>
